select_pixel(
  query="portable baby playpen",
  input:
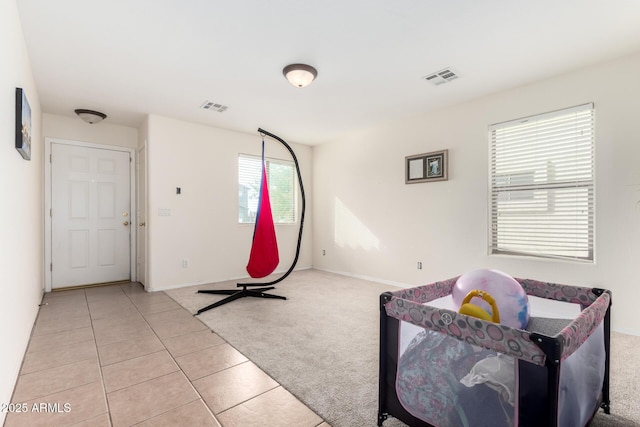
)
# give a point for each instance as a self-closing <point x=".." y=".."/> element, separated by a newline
<point x="442" y="368"/>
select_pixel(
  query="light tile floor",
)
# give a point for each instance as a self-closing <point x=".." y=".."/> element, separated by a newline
<point x="119" y="356"/>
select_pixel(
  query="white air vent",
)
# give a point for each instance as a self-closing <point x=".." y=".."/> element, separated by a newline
<point x="213" y="106"/>
<point x="441" y="77"/>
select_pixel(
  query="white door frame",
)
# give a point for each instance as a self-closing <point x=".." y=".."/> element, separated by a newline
<point x="48" y="142"/>
<point x="141" y="208"/>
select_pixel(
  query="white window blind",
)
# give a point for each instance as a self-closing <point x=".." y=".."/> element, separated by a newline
<point x="542" y="185"/>
<point x="280" y="176"/>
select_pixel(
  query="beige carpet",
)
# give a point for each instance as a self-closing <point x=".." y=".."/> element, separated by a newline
<point x="322" y="345"/>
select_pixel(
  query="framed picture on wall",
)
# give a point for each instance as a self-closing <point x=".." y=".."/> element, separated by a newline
<point x="23" y="124"/>
<point x="426" y="167"/>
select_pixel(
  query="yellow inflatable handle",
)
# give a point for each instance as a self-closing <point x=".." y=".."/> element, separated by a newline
<point x="477" y="311"/>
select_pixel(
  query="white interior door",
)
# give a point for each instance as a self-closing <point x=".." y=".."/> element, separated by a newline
<point x="90" y="215"/>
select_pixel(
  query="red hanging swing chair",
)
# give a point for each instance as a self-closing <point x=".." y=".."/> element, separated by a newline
<point x="264" y="257"/>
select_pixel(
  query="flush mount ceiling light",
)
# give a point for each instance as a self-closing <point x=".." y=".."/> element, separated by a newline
<point x="91" y="116"/>
<point x="300" y="75"/>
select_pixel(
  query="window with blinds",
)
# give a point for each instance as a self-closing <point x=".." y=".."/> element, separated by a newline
<point x="280" y="176"/>
<point x="542" y="185"/>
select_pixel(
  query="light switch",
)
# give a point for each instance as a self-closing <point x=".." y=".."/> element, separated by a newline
<point x="164" y="212"/>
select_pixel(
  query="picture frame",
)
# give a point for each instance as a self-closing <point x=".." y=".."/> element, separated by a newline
<point x="23" y="124"/>
<point x="427" y="167"/>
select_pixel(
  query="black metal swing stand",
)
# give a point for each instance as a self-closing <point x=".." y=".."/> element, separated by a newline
<point x="235" y="294"/>
<point x="259" y="292"/>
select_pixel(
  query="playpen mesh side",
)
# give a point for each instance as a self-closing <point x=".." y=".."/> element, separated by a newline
<point x="565" y="293"/>
<point x="426" y="293"/>
<point x="581" y="380"/>
<point x="446" y="382"/>
<point x="581" y="328"/>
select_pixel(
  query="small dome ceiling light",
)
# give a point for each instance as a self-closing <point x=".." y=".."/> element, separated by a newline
<point x="300" y="75"/>
<point x="90" y="116"/>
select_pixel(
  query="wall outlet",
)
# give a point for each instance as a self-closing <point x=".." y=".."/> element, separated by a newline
<point x="324" y="252"/>
<point x="185" y="263"/>
<point x="419" y="265"/>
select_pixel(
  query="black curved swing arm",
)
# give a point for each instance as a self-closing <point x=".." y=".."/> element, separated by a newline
<point x="302" y="196"/>
<point x="244" y="292"/>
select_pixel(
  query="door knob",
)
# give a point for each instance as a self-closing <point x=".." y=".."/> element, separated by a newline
<point x="142" y="224"/>
<point x="126" y="223"/>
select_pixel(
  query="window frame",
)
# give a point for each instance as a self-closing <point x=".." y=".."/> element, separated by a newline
<point x="542" y="196"/>
<point x="272" y="191"/>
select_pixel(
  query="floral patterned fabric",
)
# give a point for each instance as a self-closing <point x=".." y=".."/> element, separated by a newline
<point x="429" y="388"/>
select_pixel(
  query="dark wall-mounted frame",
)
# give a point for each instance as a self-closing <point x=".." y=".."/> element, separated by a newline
<point x="23" y="124"/>
<point x="427" y="167"/>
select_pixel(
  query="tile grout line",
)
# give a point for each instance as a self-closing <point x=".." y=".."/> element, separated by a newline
<point x="57" y="366"/>
<point x="24" y="356"/>
<point x="248" y="360"/>
<point x="227" y="368"/>
<point x="172" y="358"/>
<point x="32" y="336"/>
<point x="131" y="298"/>
<point x="95" y="342"/>
<point x="253" y="397"/>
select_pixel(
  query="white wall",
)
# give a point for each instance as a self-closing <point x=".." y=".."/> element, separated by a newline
<point x="74" y="129"/>
<point x="21" y="214"/>
<point x="203" y="225"/>
<point x="373" y="225"/>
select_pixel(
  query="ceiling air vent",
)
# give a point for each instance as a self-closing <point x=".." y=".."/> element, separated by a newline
<point x="209" y="105"/>
<point x="441" y="77"/>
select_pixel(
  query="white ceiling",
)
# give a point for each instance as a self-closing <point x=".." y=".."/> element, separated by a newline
<point x="129" y="58"/>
